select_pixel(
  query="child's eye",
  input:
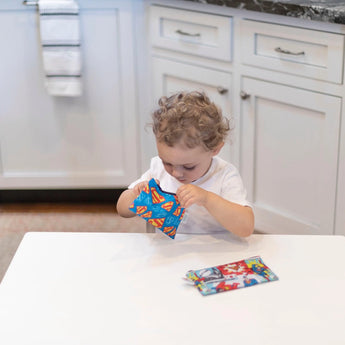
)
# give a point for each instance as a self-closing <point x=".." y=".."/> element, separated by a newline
<point x="189" y="168"/>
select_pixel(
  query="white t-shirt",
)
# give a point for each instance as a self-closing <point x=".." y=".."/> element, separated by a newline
<point x="222" y="178"/>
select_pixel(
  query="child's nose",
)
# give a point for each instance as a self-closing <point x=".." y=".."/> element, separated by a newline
<point x="177" y="172"/>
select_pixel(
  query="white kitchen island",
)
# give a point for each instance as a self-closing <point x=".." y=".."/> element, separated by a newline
<point x="88" y="288"/>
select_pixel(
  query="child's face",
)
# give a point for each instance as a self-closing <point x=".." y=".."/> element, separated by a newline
<point x="183" y="163"/>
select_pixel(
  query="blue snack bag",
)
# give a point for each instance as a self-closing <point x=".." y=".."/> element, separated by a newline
<point x="159" y="208"/>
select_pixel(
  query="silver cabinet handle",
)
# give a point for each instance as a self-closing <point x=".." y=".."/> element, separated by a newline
<point x="222" y="90"/>
<point x="183" y="33"/>
<point x="244" y="95"/>
<point x="283" y="51"/>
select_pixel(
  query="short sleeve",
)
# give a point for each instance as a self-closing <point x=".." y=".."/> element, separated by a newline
<point x="146" y="176"/>
<point x="233" y="188"/>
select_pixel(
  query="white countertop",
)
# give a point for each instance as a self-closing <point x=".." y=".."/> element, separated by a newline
<point x="101" y="288"/>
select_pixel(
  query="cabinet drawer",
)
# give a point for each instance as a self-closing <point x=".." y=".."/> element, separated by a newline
<point x="191" y="32"/>
<point x="303" y="52"/>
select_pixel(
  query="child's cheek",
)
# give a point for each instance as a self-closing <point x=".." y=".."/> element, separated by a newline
<point x="169" y="170"/>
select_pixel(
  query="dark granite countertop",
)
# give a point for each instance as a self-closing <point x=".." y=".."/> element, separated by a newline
<point x="322" y="10"/>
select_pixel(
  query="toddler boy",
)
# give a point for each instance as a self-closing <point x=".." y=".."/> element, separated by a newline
<point x="190" y="131"/>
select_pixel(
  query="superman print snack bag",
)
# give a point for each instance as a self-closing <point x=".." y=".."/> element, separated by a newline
<point x="235" y="275"/>
<point x="159" y="208"/>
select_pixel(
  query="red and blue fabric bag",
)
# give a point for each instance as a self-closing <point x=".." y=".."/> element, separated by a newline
<point x="235" y="275"/>
<point x="159" y="208"/>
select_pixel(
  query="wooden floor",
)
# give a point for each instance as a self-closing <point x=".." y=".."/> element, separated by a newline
<point x="18" y="218"/>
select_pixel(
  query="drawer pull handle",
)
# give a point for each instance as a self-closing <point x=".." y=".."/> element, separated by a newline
<point x="244" y="95"/>
<point x="183" y="33"/>
<point x="222" y="90"/>
<point x="283" y="51"/>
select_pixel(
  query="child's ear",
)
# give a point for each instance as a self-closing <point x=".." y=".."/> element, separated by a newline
<point x="218" y="148"/>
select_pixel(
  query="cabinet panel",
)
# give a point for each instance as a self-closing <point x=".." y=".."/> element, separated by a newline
<point x="303" y="52"/>
<point x="191" y="32"/>
<point x="289" y="153"/>
<point x="170" y="77"/>
<point x="85" y="141"/>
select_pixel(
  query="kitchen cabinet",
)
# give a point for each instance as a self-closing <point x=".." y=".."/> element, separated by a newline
<point x="302" y="52"/>
<point x="195" y="33"/>
<point x="290" y="135"/>
<point x="289" y="155"/>
<point x="285" y="94"/>
<point x="68" y="142"/>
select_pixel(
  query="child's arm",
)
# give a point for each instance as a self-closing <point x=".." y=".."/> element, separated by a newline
<point x="126" y="199"/>
<point x="233" y="217"/>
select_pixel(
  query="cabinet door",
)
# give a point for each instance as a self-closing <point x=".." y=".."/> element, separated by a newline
<point x="87" y="141"/>
<point x="170" y="77"/>
<point x="289" y="145"/>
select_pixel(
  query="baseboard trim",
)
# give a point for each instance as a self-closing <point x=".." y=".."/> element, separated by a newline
<point x="61" y="195"/>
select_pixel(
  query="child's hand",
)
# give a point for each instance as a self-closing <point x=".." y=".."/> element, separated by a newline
<point x="140" y="186"/>
<point x="189" y="194"/>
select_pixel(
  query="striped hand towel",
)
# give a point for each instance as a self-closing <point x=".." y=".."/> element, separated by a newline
<point x="60" y="39"/>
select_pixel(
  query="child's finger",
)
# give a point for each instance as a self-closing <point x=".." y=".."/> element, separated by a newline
<point x="140" y="187"/>
<point x="143" y="185"/>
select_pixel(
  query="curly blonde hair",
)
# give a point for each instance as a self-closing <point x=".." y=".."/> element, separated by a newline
<point x="192" y="118"/>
